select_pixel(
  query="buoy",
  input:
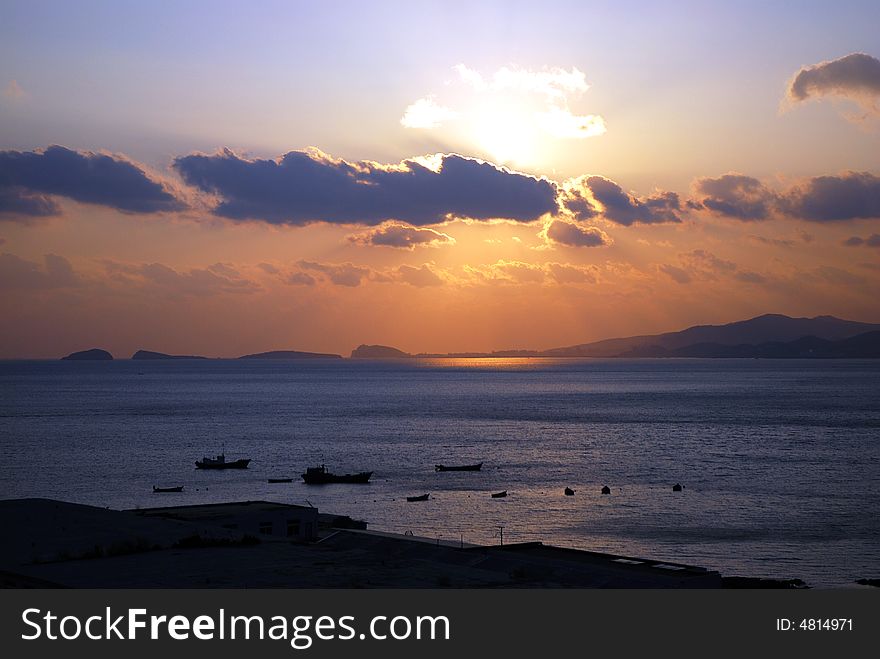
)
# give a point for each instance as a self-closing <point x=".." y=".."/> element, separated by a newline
<point x="606" y="489"/>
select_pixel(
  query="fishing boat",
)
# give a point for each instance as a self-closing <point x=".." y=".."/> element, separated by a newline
<point x="499" y="495"/>
<point x="279" y="480"/>
<point x="421" y="497"/>
<point x="475" y="467"/>
<point x="320" y="476"/>
<point x="220" y="462"/>
<point x="165" y="490"/>
<point x="569" y="492"/>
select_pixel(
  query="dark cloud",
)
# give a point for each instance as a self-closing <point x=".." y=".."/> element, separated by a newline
<point x="402" y="236"/>
<point x="17" y="203"/>
<point x="871" y="241"/>
<point x="20" y="274"/>
<point x="590" y="196"/>
<point x="851" y="195"/>
<point x="734" y="195"/>
<point x="572" y="235"/>
<point x="26" y="177"/>
<point x="856" y="77"/>
<point x="304" y="187"/>
<point x="342" y="274"/>
<point x="846" y="196"/>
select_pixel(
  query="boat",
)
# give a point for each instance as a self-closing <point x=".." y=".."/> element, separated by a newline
<point x="606" y="489"/>
<point x="279" y="480"/>
<point x="499" y="495"/>
<point x="569" y="492"/>
<point x="220" y="463"/>
<point x="677" y="487"/>
<point x="475" y="467"/>
<point x="320" y="476"/>
<point x="164" y="490"/>
<point x="421" y="497"/>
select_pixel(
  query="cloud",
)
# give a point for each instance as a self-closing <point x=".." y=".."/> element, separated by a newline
<point x="677" y="274"/>
<point x="591" y="196"/>
<point x="569" y="234"/>
<point x="564" y="273"/>
<point x="774" y="242"/>
<point x="846" y="196"/>
<point x="20" y="205"/>
<point x="425" y="113"/>
<point x="343" y="274"/>
<point x="198" y="282"/>
<point x="735" y="195"/>
<point x="13" y="91"/>
<point x="855" y="241"/>
<point x="301" y="279"/>
<point x="27" y="177"/>
<point x="702" y="265"/>
<point x="509" y="104"/>
<point x="308" y="186"/>
<point x="855" y="77"/>
<point x="418" y="277"/>
<point x="20" y="274"/>
<point x="851" y="195"/>
<point x="402" y="236"/>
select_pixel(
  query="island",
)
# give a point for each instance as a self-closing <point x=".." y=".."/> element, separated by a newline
<point x="95" y="355"/>
<point x="149" y="354"/>
<point x="378" y="352"/>
<point x="290" y="354"/>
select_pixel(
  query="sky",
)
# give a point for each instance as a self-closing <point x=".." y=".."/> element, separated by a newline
<point x="224" y="178"/>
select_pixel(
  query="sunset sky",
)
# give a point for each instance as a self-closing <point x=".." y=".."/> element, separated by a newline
<point x="223" y="178"/>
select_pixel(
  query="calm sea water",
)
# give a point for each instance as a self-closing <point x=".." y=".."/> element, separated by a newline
<point x="780" y="459"/>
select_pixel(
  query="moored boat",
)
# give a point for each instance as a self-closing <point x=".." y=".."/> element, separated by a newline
<point x="499" y="495"/>
<point x="320" y="476"/>
<point x="220" y="463"/>
<point x="165" y="490"/>
<point x="475" y="467"/>
<point x="421" y="497"/>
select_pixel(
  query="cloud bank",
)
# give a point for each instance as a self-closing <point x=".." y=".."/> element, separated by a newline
<point x="28" y="177"/>
<point x="303" y="187"/>
<point x="846" y="196"/>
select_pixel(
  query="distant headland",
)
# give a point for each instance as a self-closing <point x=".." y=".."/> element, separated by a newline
<point x="771" y="336"/>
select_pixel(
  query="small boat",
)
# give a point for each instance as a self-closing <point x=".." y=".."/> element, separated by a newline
<point x="499" y="495"/>
<point x="421" y="497"/>
<point x="165" y="490"/>
<point x="279" y="480"/>
<point x="220" y="463"/>
<point x="320" y="476"/>
<point x="569" y="492"/>
<point x="677" y="487"/>
<point x="606" y="489"/>
<point x="475" y="467"/>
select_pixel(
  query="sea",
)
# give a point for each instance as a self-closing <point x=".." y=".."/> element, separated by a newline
<point x="779" y="459"/>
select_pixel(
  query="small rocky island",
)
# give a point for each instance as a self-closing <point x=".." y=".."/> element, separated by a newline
<point x="95" y="354"/>
<point x="378" y="352"/>
<point x="150" y="355"/>
<point x="290" y="354"/>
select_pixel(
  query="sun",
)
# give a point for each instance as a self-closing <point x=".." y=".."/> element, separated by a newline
<point x="509" y="135"/>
